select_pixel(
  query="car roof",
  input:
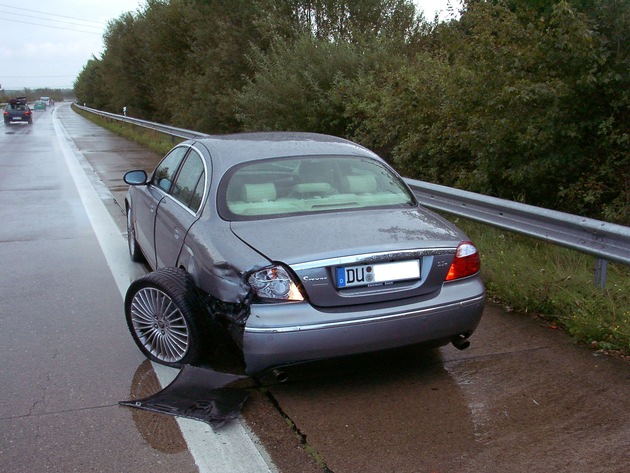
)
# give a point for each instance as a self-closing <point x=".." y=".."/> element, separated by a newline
<point x="228" y="150"/>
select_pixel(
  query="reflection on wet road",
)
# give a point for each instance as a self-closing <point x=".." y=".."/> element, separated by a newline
<point x="159" y="431"/>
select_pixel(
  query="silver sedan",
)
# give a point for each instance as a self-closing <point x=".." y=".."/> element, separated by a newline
<point x="294" y="247"/>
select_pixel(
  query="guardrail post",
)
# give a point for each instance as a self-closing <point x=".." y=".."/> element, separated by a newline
<point x="601" y="272"/>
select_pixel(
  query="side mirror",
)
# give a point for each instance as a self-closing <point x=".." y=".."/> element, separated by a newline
<point x="135" y="178"/>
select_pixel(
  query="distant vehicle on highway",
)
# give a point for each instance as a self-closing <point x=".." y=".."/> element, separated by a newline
<point x="39" y="105"/>
<point x="17" y="111"/>
<point x="296" y="247"/>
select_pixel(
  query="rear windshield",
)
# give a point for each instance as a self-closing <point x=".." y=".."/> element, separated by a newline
<point x="278" y="187"/>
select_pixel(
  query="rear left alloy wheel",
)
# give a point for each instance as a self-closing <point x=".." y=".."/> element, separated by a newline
<point x="166" y="319"/>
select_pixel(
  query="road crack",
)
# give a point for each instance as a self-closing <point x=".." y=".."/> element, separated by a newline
<point x="310" y="449"/>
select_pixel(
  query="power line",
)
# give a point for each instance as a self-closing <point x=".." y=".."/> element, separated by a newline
<point x="34" y="77"/>
<point x="51" y="26"/>
<point x="49" y="19"/>
<point x="53" y="14"/>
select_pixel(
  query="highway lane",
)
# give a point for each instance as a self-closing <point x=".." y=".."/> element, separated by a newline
<point x="67" y="358"/>
<point x="523" y="398"/>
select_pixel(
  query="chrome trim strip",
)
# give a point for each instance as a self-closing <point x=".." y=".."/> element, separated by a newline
<point x="370" y="257"/>
<point x="346" y="323"/>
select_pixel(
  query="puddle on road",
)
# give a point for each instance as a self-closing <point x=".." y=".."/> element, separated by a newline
<point x="160" y="432"/>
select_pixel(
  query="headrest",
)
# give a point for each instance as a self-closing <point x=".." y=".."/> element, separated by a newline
<point x="320" y="188"/>
<point x="361" y="184"/>
<point x="258" y="192"/>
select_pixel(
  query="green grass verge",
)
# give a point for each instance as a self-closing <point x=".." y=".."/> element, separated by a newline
<point x="556" y="285"/>
<point x="522" y="274"/>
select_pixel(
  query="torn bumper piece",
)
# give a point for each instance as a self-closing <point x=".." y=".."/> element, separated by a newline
<point x="197" y="393"/>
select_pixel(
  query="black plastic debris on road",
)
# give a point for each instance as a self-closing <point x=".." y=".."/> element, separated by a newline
<point x="197" y="393"/>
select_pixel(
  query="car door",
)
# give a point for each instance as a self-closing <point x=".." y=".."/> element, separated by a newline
<point x="146" y="200"/>
<point x="178" y="211"/>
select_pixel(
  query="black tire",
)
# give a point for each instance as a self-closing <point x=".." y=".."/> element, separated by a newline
<point x="166" y="318"/>
<point x="135" y="253"/>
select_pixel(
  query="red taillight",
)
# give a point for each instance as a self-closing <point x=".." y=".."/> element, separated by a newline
<point x="26" y="112"/>
<point x="465" y="263"/>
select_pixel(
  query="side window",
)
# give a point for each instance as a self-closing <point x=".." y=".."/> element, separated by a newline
<point x="189" y="185"/>
<point x="165" y="172"/>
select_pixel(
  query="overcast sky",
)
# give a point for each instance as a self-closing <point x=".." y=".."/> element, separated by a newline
<point x="46" y="43"/>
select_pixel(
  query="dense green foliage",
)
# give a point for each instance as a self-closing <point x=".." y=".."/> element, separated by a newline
<point x="522" y="99"/>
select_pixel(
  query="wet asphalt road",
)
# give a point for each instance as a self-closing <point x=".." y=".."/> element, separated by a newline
<point x="523" y="398"/>
<point x="63" y="366"/>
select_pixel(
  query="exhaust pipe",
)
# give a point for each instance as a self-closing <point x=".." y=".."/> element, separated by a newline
<point x="460" y="342"/>
<point x="280" y="375"/>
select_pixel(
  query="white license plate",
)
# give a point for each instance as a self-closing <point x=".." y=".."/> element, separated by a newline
<point x="377" y="274"/>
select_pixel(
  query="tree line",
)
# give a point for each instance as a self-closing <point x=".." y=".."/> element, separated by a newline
<point x="34" y="94"/>
<point x="526" y="100"/>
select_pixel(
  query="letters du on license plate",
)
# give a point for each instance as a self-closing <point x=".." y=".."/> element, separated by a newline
<point x="377" y="274"/>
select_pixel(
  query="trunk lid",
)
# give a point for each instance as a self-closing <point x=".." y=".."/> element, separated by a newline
<point x="335" y="254"/>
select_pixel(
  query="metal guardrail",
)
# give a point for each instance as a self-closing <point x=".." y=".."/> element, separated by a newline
<point x="604" y="240"/>
<point x="167" y="130"/>
<point x="607" y="241"/>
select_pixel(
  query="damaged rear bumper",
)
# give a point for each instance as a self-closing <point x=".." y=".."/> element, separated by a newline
<point x="282" y="334"/>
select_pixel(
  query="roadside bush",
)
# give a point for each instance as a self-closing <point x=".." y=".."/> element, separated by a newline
<point x="291" y="89"/>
